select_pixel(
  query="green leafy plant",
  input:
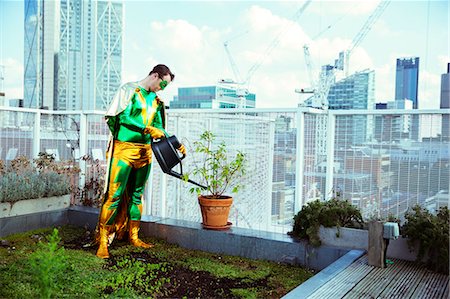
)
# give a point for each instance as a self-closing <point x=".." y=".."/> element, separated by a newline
<point x="216" y="170"/>
<point x="332" y="213"/>
<point x="432" y="234"/>
<point x="42" y="177"/>
<point x="49" y="264"/>
<point x="91" y="193"/>
<point x="133" y="275"/>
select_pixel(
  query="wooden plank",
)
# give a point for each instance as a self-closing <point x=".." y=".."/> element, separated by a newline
<point x="403" y="279"/>
<point x="344" y="281"/>
<point x="376" y="281"/>
<point x="405" y="284"/>
<point x="426" y="286"/>
<point x="447" y="289"/>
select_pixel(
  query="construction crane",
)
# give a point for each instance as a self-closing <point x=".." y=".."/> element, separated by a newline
<point x="344" y="65"/>
<point x="238" y="81"/>
<point x="327" y="77"/>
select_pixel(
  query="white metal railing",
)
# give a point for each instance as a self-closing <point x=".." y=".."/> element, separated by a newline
<point x="383" y="161"/>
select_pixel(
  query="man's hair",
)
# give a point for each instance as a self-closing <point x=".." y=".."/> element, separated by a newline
<point x="162" y="70"/>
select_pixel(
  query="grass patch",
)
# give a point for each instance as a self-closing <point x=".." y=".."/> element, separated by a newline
<point x="53" y="264"/>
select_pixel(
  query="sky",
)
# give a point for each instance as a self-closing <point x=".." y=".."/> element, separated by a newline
<point x="189" y="37"/>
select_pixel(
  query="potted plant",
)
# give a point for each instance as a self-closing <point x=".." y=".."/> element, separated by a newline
<point x="220" y="173"/>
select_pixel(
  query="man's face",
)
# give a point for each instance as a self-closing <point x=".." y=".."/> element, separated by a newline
<point x="161" y="82"/>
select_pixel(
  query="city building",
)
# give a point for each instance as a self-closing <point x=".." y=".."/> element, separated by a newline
<point x="77" y="63"/>
<point x="407" y="80"/>
<point x="214" y="96"/>
<point x="354" y="92"/>
<point x="445" y="103"/>
<point x="391" y="127"/>
<point x="406" y="87"/>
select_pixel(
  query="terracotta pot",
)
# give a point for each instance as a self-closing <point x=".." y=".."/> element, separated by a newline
<point x="215" y="211"/>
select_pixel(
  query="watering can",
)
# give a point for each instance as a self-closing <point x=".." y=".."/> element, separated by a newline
<point x="165" y="151"/>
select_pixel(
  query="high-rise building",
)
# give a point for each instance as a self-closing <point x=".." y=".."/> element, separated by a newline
<point x="214" y="96"/>
<point x="407" y="80"/>
<point x="406" y="87"/>
<point x="445" y="103"/>
<point x="391" y="127"/>
<point x="72" y="53"/>
<point x="354" y="92"/>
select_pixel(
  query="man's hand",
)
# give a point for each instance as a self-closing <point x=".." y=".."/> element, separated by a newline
<point x="154" y="132"/>
<point x="182" y="149"/>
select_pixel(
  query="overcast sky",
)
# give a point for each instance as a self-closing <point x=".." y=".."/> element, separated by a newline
<point x="188" y="37"/>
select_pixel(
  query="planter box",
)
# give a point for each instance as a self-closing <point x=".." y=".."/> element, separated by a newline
<point x="359" y="239"/>
<point x="348" y="237"/>
<point x="31" y="206"/>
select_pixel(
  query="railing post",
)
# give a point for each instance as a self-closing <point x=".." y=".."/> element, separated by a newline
<point x="331" y="128"/>
<point x="83" y="149"/>
<point x="37" y="134"/>
<point x="300" y="160"/>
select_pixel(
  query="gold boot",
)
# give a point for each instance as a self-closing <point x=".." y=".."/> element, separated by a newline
<point x="102" y="251"/>
<point x="133" y="235"/>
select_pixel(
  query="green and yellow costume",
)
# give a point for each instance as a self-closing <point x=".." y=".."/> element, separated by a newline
<point x="134" y="118"/>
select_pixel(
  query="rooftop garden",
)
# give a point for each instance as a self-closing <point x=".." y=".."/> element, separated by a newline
<point x="54" y="263"/>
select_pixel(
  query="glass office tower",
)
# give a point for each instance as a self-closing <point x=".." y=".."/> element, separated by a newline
<point x="407" y="80"/>
<point x="406" y="87"/>
<point x="72" y="53"/>
<point x="214" y="96"/>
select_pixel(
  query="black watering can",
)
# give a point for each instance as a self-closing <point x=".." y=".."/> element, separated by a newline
<point x="165" y="151"/>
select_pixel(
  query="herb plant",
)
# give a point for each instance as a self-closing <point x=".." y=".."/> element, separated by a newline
<point x="216" y="170"/>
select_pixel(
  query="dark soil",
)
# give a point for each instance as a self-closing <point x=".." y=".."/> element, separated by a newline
<point x="192" y="284"/>
<point x="184" y="283"/>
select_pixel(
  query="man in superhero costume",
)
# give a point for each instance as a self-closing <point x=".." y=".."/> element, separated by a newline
<point x="136" y="117"/>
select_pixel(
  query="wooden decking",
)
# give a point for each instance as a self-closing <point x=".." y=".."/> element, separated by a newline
<point x="402" y="279"/>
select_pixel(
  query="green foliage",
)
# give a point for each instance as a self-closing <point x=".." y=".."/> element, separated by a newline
<point x="86" y="276"/>
<point x="48" y="264"/>
<point x="215" y="170"/>
<point x="339" y="213"/>
<point x="432" y="234"/>
<point x="228" y="270"/>
<point x="135" y="276"/>
<point x="22" y="181"/>
<point x="91" y="193"/>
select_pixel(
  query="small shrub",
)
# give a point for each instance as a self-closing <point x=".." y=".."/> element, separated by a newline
<point x="339" y="213"/>
<point x="217" y="170"/>
<point x="91" y="193"/>
<point x="432" y="234"/>
<point x="22" y="181"/>
<point x="48" y="264"/>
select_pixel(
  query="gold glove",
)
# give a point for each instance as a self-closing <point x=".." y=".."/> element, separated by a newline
<point x="154" y="132"/>
<point x="182" y="149"/>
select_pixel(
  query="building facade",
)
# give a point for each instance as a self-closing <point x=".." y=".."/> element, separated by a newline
<point x="214" y="96"/>
<point x="407" y="80"/>
<point x="354" y="92"/>
<point x="406" y="87"/>
<point x="72" y="53"/>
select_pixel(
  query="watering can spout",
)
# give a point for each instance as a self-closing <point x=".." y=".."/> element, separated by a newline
<point x="165" y="151"/>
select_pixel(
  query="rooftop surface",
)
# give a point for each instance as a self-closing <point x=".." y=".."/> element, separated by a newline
<point x="357" y="279"/>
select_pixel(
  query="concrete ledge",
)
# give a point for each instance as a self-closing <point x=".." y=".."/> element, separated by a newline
<point x="23" y="223"/>
<point x="235" y="241"/>
<point x="350" y="238"/>
<point x="242" y="242"/>
<point x="311" y="285"/>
